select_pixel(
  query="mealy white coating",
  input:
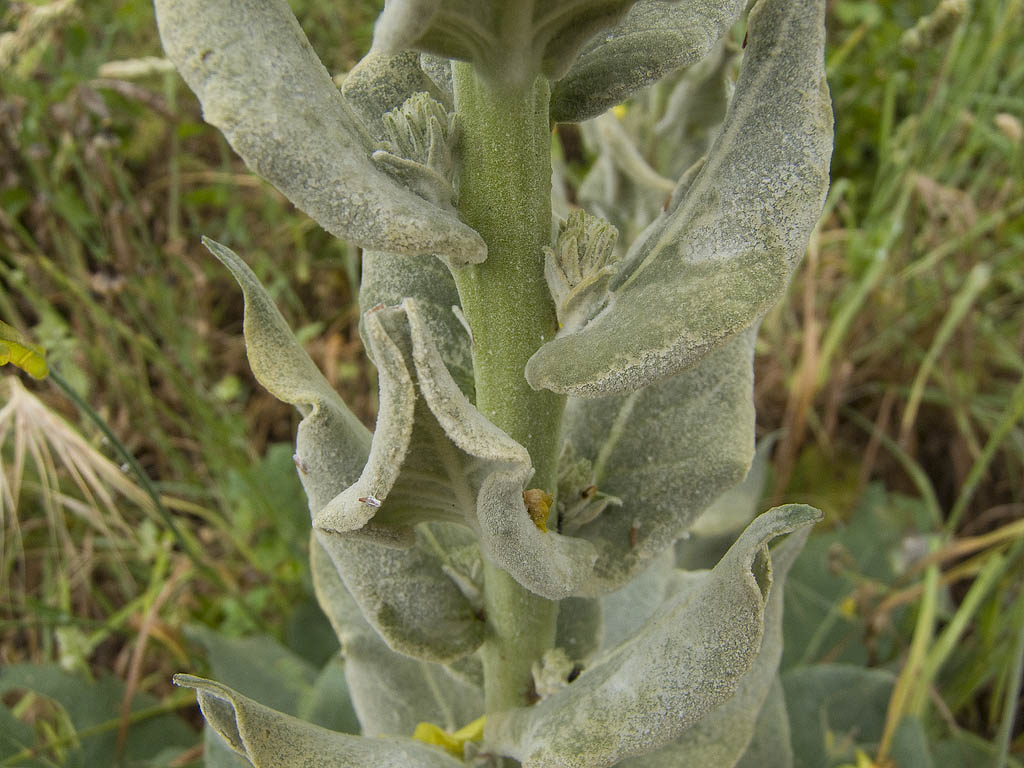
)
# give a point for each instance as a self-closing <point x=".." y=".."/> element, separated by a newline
<point x="653" y="39"/>
<point x="722" y="255"/>
<point x="689" y="658"/>
<point x="391" y="693"/>
<point x="404" y="593"/>
<point x="511" y="41"/>
<point x="270" y="739"/>
<point x="667" y="452"/>
<point x="720" y="738"/>
<point x="260" y="82"/>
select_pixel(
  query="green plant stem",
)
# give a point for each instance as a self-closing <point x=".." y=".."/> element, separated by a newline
<point x="505" y="194"/>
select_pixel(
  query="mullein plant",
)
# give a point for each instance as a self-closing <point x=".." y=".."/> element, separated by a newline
<point x="559" y="402"/>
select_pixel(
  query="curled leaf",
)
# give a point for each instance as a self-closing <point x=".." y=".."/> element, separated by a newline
<point x="270" y="739"/>
<point x="434" y="457"/>
<point x="508" y="40"/>
<point x="653" y="39"/>
<point x="688" y="659"/>
<point x="390" y="692"/>
<point x="710" y="266"/>
<point x="405" y="594"/>
<point x="664" y="453"/>
<point x="262" y="85"/>
<point x="721" y="738"/>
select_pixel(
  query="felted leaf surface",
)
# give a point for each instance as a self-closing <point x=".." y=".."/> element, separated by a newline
<point x="391" y="693"/>
<point x="380" y="83"/>
<point x="713" y="532"/>
<point x="434" y="457"/>
<point x="270" y="739"/>
<point x="667" y="452"/>
<point x="388" y="278"/>
<point x="712" y="264"/>
<point x="404" y="594"/>
<point x="720" y="738"/>
<point x="689" y="658"/>
<point x="653" y="39"/>
<point x="508" y="40"/>
<point x="260" y="82"/>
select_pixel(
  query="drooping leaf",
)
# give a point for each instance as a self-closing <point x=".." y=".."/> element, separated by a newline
<point x="262" y="85"/>
<point x="389" y="278"/>
<point x="434" y="457"/>
<point x="721" y="255"/>
<point x="405" y="594"/>
<point x="688" y="659"/>
<point x="391" y="693"/>
<point x="19" y="352"/>
<point x="653" y="39"/>
<point x="770" y="747"/>
<point x="511" y="41"/>
<point x="720" y="738"/>
<point x="270" y="739"/>
<point x="666" y="452"/>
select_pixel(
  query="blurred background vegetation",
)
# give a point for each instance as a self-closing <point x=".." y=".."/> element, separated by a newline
<point x="150" y="516"/>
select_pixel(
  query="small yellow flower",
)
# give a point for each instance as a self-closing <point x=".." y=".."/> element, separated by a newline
<point x="450" y="742"/>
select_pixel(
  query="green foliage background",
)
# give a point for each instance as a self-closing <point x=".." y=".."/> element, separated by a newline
<point x="895" y="373"/>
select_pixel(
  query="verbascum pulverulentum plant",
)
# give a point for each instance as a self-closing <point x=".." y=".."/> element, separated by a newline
<point x="558" y="405"/>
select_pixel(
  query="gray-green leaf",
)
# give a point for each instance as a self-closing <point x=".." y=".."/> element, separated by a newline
<point x="689" y="658"/>
<point x="262" y="85"/>
<point x="722" y="254"/>
<point x="720" y="738"/>
<point x="380" y="83"/>
<point x="270" y="739"/>
<point x="434" y="457"/>
<point x="405" y="594"/>
<point x="507" y="40"/>
<point x="391" y="693"/>
<point x="655" y="38"/>
<point x="667" y="452"/>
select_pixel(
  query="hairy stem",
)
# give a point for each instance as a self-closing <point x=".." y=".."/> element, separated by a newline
<point x="505" y="195"/>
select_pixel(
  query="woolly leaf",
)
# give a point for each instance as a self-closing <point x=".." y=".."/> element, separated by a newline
<point x="380" y="83"/>
<point x="260" y="82"/>
<point x="653" y="39"/>
<point x="434" y="457"/>
<point x="270" y="739"/>
<point x="507" y="40"/>
<point x="391" y="693"/>
<point x="666" y="452"/>
<point x="721" y="255"/>
<point x="688" y="659"/>
<point x="716" y="529"/>
<point x="405" y="594"/>
<point x="720" y="738"/>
